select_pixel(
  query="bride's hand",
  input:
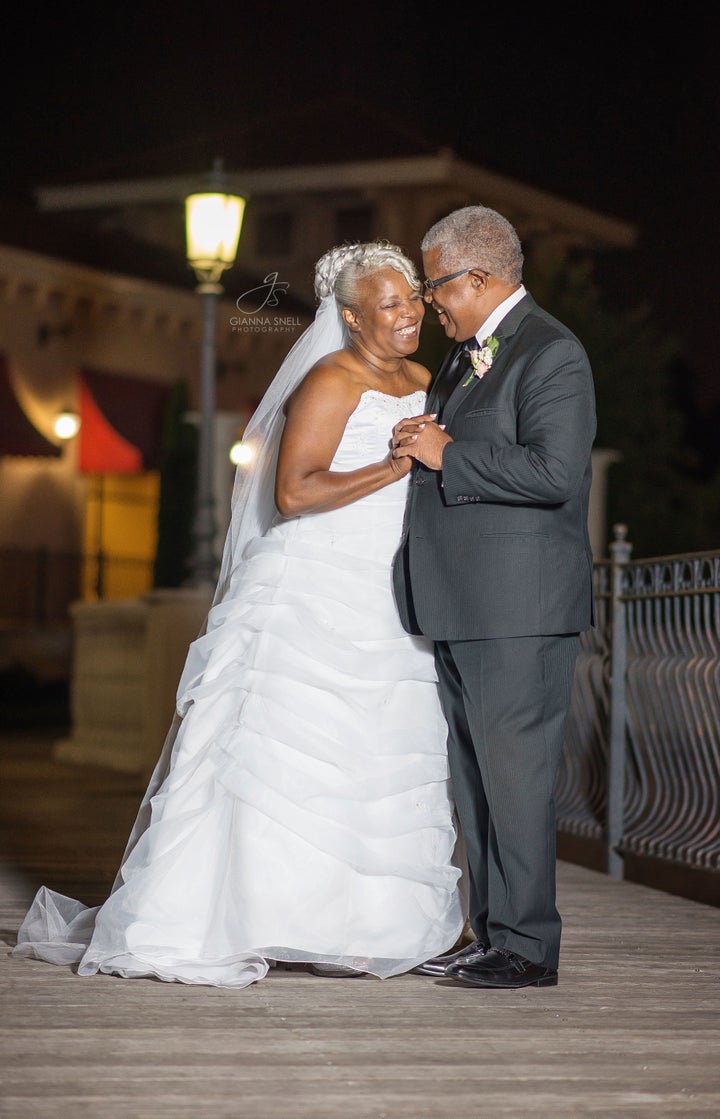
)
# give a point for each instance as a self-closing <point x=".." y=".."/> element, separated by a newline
<point x="420" y="438"/>
<point x="401" y="467"/>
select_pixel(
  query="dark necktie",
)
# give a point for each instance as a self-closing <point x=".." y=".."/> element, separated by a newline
<point x="450" y="373"/>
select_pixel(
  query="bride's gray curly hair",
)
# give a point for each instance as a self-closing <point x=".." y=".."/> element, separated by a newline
<point x="339" y="270"/>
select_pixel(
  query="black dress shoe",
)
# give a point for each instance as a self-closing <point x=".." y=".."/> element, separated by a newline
<point x="499" y="967"/>
<point x="335" y="971"/>
<point x="438" y="964"/>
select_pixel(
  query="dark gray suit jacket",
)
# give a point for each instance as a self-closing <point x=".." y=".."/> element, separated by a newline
<point x="496" y="544"/>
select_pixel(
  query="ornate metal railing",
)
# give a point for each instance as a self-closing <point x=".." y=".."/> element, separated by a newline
<point x="640" y="772"/>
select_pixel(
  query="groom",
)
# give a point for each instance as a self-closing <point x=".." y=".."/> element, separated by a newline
<point x="495" y="566"/>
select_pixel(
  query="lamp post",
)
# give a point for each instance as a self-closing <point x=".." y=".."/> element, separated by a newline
<point x="213" y="220"/>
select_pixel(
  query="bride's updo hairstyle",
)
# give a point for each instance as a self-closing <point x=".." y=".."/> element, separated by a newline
<point x="339" y="270"/>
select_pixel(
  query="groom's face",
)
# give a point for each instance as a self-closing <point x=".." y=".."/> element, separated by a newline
<point x="458" y="302"/>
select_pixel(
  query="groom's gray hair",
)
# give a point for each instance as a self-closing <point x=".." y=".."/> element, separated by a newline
<point x="477" y="237"/>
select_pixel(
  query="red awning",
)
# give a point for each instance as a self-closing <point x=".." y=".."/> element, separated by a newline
<point x="121" y="423"/>
<point x="17" y="435"/>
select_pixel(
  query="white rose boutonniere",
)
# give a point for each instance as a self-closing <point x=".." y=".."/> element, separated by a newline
<point x="482" y="359"/>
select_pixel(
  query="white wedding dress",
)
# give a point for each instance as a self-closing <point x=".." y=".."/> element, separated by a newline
<point x="306" y="813"/>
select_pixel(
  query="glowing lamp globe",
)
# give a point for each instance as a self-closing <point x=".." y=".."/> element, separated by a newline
<point x="212" y="226"/>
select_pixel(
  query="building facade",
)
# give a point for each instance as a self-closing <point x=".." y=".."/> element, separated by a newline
<point x="106" y="322"/>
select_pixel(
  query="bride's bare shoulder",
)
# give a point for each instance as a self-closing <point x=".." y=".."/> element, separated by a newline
<point x="331" y="379"/>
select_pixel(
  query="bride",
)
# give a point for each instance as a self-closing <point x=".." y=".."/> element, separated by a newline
<point x="300" y="811"/>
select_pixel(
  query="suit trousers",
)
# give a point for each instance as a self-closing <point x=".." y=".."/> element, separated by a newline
<point x="506" y="702"/>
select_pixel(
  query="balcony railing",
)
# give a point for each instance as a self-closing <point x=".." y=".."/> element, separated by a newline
<point x="640" y="774"/>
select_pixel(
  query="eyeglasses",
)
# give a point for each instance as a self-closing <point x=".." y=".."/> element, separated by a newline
<point x="430" y="285"/>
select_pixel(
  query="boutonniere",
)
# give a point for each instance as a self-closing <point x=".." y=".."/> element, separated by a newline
<point x="482" y="359"/>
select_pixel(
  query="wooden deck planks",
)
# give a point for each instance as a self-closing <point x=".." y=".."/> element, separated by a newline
<point x="632" y="1030"/>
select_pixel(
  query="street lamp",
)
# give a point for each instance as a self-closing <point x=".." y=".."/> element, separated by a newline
<point x="213" y="220"/>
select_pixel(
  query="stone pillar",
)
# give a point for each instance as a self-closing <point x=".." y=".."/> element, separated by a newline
<point x="128" y="655"/>
<point x="602" y="460"/>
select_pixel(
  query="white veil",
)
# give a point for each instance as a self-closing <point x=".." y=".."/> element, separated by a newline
<point x="253" y="502"/>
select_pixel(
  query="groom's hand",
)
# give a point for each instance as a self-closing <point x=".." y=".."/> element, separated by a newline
<point x="419" y="437"/>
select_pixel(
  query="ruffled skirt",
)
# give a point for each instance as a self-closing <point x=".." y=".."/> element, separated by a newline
<point x="305" y="813"/>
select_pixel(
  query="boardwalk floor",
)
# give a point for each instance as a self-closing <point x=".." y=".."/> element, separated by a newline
<point x="632" y="1030"/>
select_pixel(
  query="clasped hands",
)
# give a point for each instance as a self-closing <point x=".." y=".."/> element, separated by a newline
<point x="419" y="437"/>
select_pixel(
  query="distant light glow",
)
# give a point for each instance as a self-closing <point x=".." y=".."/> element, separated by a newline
<point x="241" y="454"/>
<point x="67" y="425"/>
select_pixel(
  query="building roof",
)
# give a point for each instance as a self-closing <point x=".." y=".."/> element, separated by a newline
<point x="331" y="144"/>
<point x="79" y="240"/>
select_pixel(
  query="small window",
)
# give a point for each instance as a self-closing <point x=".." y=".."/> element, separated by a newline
<point x="274" y="234"/>
<point x="354" y="224"/>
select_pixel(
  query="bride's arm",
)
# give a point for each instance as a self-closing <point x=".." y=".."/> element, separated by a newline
<point x="317" y="413"/>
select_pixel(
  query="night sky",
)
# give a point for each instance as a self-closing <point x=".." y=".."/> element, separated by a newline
<point x="622" y="116"/>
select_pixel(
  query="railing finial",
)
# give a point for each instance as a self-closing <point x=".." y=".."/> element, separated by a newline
<point x="621" y="548"/>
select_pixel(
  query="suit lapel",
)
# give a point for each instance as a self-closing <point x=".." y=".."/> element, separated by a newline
<point x="504" y="333"/>
<point x="461" y="395"/>
<point x="454" y="365"/>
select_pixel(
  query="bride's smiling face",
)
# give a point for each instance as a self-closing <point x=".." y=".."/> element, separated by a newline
<point x="389" y="314"/>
